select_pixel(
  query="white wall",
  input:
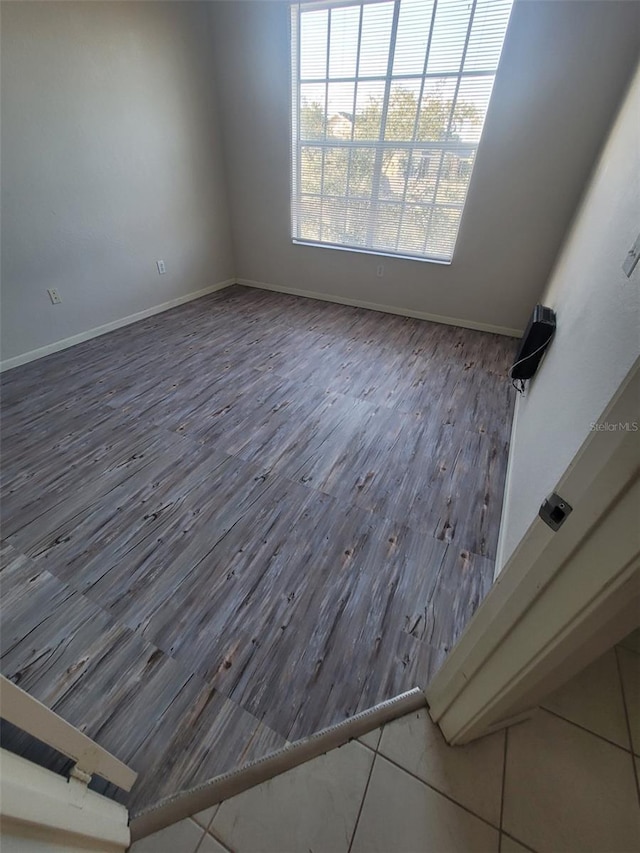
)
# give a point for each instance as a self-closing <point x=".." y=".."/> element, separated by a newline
<point x="596" y="343"/>
<point x="110" y="160"/>
<point x="563" y="72"/>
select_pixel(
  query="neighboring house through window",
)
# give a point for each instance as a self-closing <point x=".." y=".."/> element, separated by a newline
<point x="389" y="98"/>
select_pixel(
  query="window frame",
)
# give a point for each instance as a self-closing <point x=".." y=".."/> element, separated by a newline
<point x="469" y="148"/>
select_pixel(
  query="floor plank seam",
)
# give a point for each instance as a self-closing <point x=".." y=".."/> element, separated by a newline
<point x="319" y="496"/>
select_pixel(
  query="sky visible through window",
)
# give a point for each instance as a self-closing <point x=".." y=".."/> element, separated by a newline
<point x="389" y="100"/>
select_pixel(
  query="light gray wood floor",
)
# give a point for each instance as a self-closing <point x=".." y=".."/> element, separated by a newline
<point x="247" y="518"/>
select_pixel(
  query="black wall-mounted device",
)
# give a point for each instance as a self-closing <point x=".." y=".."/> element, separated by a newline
<point x="537" y="337"/>
<point x="554" y="511"/>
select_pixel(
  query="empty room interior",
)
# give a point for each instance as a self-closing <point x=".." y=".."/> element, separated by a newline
<point x="319" y="401"/>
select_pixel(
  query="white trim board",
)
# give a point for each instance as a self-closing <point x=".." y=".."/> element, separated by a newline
<point x="506" y="498"/>
<point x="27" y="713"/>
<point x="65" y="343"/>
<point x="44" y="811"/>
<point x="561" y="599"/>
<point x="386" y="309"/>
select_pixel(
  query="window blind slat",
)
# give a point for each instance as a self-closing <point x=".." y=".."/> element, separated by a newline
<point x="389" y="100"/>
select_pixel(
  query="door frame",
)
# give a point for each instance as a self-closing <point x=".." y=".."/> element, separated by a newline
<point x="561" y="599"/>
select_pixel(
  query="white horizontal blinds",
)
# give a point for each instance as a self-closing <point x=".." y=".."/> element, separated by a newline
<point x="389" y="100"/>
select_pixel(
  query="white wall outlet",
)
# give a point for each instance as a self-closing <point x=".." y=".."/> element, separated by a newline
<point x="161" y="267"/>
<point x="380" y="270"/>
<point x="54" y="296"/>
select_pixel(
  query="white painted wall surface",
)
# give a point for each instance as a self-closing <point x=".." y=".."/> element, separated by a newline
<point x="110" y="160"/>
<point x="564" y="69"/>
<point x="597" y="339"/>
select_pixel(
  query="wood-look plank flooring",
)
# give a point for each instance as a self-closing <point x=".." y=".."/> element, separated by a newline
<point x="247" y="518"/>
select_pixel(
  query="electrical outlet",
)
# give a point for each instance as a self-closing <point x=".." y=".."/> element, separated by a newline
<point x="380" y="270"/>
<point x="54" y="296"/>
<point x="161" y="267"/>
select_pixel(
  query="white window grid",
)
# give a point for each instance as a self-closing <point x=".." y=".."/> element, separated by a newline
<point x="465" y="149"/>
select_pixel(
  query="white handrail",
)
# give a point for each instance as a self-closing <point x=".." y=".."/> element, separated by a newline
<point x="30" y="715"/>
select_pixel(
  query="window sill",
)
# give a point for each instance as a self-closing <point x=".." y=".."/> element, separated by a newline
<point x="378" y="254"/>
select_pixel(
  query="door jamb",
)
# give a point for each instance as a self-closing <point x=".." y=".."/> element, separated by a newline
<point x="515" y="649"/>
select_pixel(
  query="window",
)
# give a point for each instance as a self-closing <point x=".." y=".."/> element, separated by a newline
<point x="388" y="102"/>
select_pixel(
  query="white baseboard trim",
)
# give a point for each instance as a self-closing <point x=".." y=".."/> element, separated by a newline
<point x="65" y="343"/>
<point x="387" y="309"/>
<point x="506" y="498"/>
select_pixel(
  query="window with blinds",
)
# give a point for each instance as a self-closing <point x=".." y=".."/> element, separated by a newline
<point x="388" y="102"/>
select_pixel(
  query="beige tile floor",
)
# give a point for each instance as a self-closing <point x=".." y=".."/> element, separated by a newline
<point x="565" y="780"/>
